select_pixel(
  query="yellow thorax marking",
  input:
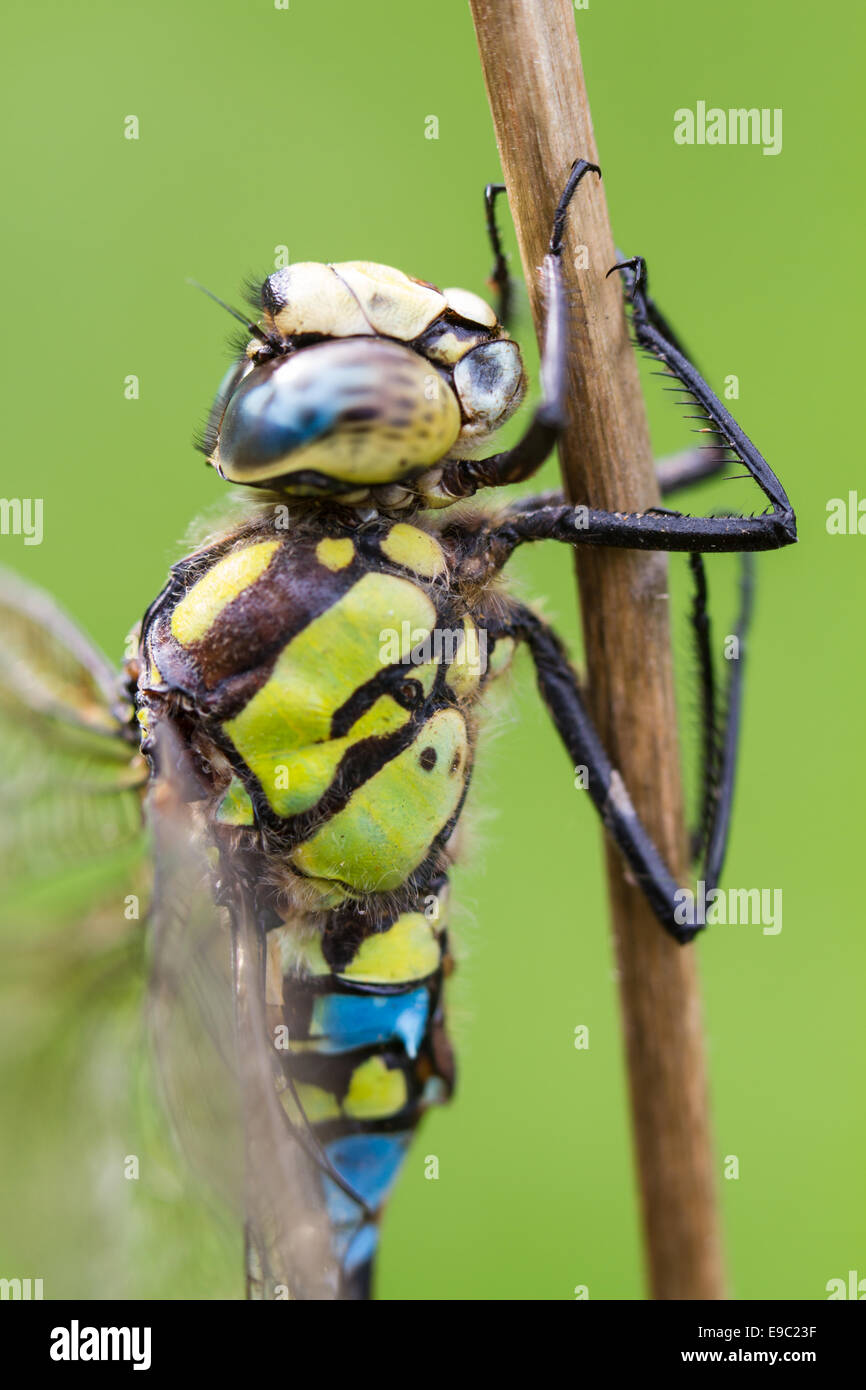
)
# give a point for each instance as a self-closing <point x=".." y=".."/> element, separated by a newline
<point x="388" y="825"/>
<point x="335" y="554"/>
<point x="284" y="732"/>
<point x="464" y="673"/>
<point x="415" y="549"/>
<point x="199" y="609"/>
<point x="235" y="807"/>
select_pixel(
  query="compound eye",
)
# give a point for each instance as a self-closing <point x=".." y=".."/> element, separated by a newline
<point x="227" y="387"/>
<point x="352" y="411"/>
<point x="265" y="420"/>
<point x="489" y="382"/>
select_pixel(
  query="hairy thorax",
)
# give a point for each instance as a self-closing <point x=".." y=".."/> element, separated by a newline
<point x="322" y="678"/>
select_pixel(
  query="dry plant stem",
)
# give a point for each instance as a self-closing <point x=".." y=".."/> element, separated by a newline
<point x="532" y="69"/>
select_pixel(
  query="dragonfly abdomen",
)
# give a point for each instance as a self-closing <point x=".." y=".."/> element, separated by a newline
<point x="359" y="1015"/>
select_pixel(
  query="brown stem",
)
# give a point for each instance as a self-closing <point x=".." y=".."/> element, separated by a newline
<point x="531" y="62"/>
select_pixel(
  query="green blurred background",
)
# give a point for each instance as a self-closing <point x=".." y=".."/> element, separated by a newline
<point x="306" y="127"/>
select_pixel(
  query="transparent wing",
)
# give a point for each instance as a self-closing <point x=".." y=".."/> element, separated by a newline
<point x="216" y="1065"/>
<point x="71" y="775"/>
<point x="70" y="939"/>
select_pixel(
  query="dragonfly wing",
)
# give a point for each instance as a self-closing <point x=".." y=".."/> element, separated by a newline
<point x="190" y="1009"/>
<point x="71" y="775"/>
<point x="216" y="1065"/>
<point x="70" y="938"/>
<point x="289" y="1250"/>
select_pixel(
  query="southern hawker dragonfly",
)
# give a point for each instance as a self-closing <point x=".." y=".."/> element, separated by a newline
<point x="297" y="720"/>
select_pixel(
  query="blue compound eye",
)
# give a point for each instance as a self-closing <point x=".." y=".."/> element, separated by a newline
<point x="227" y="387"/>
<point x="268" y="418"/>
<point x="337" y="415"/>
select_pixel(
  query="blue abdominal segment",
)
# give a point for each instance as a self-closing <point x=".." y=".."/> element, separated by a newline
<point x="367" y="1056"/>
<point x="346" y="1021"/>
<point x="370" y="1163"/>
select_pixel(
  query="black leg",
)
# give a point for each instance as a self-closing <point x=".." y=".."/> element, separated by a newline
<point x="500" y="277"/>
<point x="560" y="691"/>
<point x="680" y="471"/>
<point x="720" y="802"/>
<point x="692" y="465"/>
<point x="701" y="630"/>
<point x="655" y="335"/>
<point x="657" y="529"/>
<point x="463" y="477"/>
<point x="654" y="313"/>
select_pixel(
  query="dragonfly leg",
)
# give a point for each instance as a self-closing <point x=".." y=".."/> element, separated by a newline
<point x="657" y="528"/>
<point x="691" y="470"/>
<point x="719" y="741"/>
<point x="561" y="693"/>
<point x="501" y="280"/>
<point x="720" y="762"/>
<point x="463" y="477"/>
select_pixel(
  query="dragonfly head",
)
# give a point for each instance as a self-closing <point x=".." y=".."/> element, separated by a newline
<point x="360" y="377"/>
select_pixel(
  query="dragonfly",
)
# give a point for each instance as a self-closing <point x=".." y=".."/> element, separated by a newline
<point x="297" y="721"/>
